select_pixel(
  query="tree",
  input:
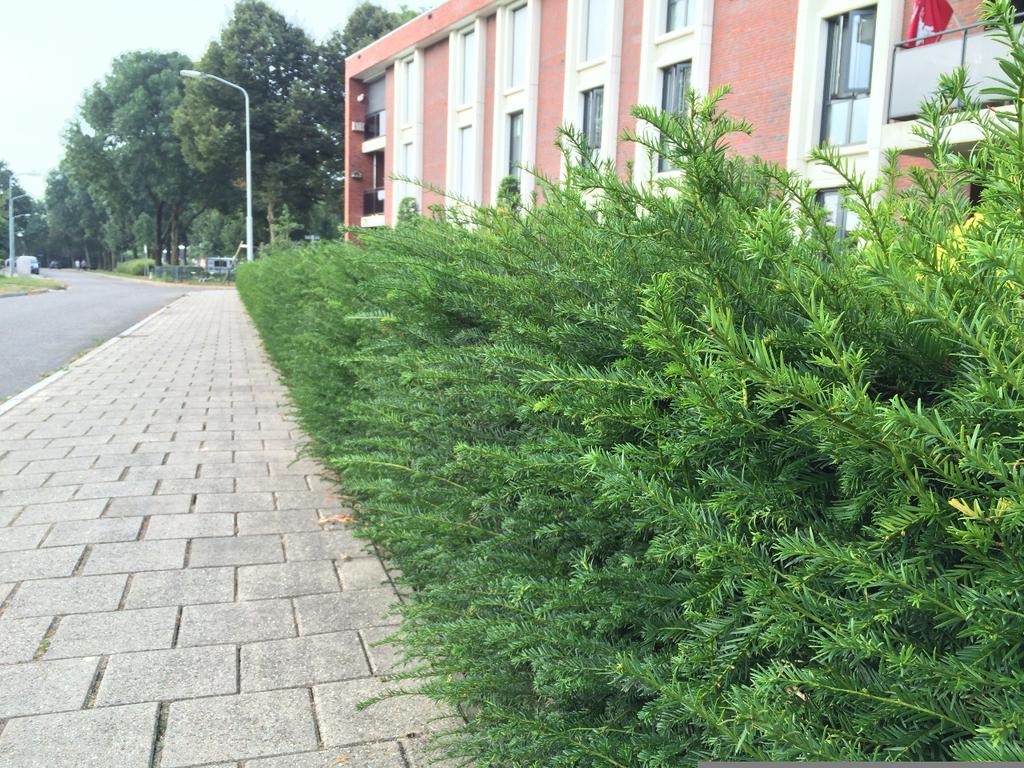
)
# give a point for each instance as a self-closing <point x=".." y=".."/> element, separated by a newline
<point x="24" y="205"/>
<point x="126" y="154"/>
<point x="76" y="221"/>
<point x="369" y="22"/>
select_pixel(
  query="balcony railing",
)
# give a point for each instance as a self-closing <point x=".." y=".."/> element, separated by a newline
<point x="375" y="125"/>
<point x="373" y="201"/>
<point x="916" y="69"/>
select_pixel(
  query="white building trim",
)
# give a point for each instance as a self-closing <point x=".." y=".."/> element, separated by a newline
<point x="407" y="151"/>
<point x="469" y="114"/>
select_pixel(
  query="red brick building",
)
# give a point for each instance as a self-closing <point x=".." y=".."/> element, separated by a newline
<point x="474" y="90"/>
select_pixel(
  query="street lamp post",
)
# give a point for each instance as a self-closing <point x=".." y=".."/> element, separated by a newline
<point x="11" y="197"/>
<point x="248" y="155"/>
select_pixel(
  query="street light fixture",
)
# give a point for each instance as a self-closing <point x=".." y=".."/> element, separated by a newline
<point x="248" y="154"/>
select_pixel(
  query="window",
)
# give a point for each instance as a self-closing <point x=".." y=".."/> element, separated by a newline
<point x="468" y="76"/>
<point x="844" y="220"/>
<point x="851" y="44"/>
<point x="466" y="165"/>
<point x="675" y="80"/>
<point x="518" y="47"/>
<point x="407" y="91"/>
<point x="597" y="27"/>
<point x="593" y="117"/>
<point x="376" y="101"/>
<point x="678" y="14"/>
<point x="515" y="143"/>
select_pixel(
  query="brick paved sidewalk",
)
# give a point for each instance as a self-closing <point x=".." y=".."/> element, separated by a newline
<point x="167" y="595"/>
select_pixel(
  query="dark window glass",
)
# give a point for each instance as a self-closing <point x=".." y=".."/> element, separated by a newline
<point x="674" y="82"/>
<point x="851" y="45"/>
<point x="593" y="117"/>
<point x="515" y="143"/>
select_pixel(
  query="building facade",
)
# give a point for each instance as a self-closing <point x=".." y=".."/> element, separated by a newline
<point x="474" y="90"/>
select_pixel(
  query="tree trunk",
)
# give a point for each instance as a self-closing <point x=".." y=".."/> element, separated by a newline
<point x="158" y="241"/>
<point x="270" y="221"/>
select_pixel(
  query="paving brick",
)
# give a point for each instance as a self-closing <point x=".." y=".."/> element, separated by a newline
<point x="122" y="460"/>
<point x="385" y="657"/>
<point x="129" y="556"/>
<point x="275" y="483"/>
<point x="236" y="622"/>
<point x="202" y="485"/>
<point x="95" y="738"/>
<point x="26" y="496"/>
<point x="5" y="590"/>
<point x="83" y="476"/>
<point x="325" y="545"/>
<point x="190" y="586"/>
<point x="139" y="506"/>
<point x="422" y="752"/>
<point x="234" y="502"/>
<point x="20" y="638"/>
<point x="18" y="482"/>
<point x="341" y="723"/>
<point x="180" y="673"/>
<point x="286" y="580"/>
<point x="232" y="727"/>
<point x="39" y="563"/>
<point x="116" y="489"/>
<point x="163" y="472"/>
<point x="237" y="550"/>
<point x="191" y="526"/>
<point x="57" y="465"/>
<point x="21" y="537"/>
<point x="45" y="686"/>
<point x="362" y="573"/>
<point x="345" y="610"/>
<point x="306" y="500"/>
<point x="382" y="755"/>
<point x="113" y="632"/>
<point x="302" y="661"/>
<point x="94" y="531"/>
<point x="34" y="514"/>
<point x="291" y="521"/>
<point x="78" y="594"/>
<point x="8" y="514"/>
<point x="254" y="469"/>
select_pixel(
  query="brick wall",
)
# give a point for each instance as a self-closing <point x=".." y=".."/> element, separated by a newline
<point x="551" y="83"/>
<point x="435" y="120"/>
<point x="488" y="128"/>
<point x="629" y="80"/>
<point x="752" y="49"/>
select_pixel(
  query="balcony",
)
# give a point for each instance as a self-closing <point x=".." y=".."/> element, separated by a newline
<point x="373" y="201"/>
<point x="375" y="125"/>
<point x="916" y="69"/>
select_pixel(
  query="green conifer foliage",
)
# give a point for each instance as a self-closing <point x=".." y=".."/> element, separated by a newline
<point x="674" y="475"/>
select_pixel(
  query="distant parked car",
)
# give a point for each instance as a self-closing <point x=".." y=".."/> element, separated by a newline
<point x="53" y="264"/>
<point x="34" y="265"/>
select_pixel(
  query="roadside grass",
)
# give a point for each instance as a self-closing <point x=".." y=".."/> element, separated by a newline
<point x="21" y="283"/>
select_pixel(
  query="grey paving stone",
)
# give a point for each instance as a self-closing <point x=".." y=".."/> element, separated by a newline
<point x="90" y="634"/>
<point x="190" y="586"/>
<point x="202" y="485"/>
<point x="35" y="514"/>
<point x="5" y="590"/>
<point x="20" y="638"/>
<point x="18" y="482"/>
<point x="47" y="466"/>
<point x="254" y="469"/>
<point x="345" y="610"/>
<point x="232" y="727"/>
<point x="308" y="500"/>
<point x="163" y="472"/>
<point x="94" y="531"/>
<point x="120" y="737"/>
<point x="82" y="476"/>
<point x="236" y="550"/>
<point x="45" y="686"/>
<point x="131" y="556"/>
<point x="21" y="537"/>
<point x="385" y="657"/>
<point x="180" y="673"/>
<point x="123" y="460"/>
<point x="341" y="723"/>
<point x="322" y="545"/>
<point x="256" y="582"/>
<point x="7" y="514"/>
<point x="381" y="755"/>
<point x="290" y="521"/>
<point x="56" y="597"/>
<point x="362" y="573"/>
<point x="39" y="563"/>
<point x="191" y="526"/>
<point x="234" y="502"/>
<point x="139" y="506"/>
<point x="302" y="661"/>
<point x="421" y="752"/>
<point x="116" y="489"/>
<point x="275" y="483"/>
<point x="235" y="622"/>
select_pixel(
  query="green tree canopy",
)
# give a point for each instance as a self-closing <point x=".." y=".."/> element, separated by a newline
<point x="369" y="22"/>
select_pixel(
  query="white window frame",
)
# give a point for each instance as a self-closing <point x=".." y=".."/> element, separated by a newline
<point x="407" y="128"/>
<point x="469" y="114"/>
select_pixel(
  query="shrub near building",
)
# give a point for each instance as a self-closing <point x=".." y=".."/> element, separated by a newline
<point x="699" y="482"/>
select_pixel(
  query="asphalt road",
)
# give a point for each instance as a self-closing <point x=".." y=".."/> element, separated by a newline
<point x="41" y="332"/>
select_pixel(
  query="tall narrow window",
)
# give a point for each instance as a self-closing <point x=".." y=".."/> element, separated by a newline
<point x="376" y="101"/>
<point x="674" y="82"/>
<point x="407" y="91"/>
<point x="844" y="220"/>
<point x="593" y="117"/>
<point x="515" y="143"/>
<point x="467" y="167"/>
<point x="468" y="76"/>
<point x="519" y="39"/>
<point x="851" y="45"/>
<point x="678" y="14"/>
<point x="597" y="28"/>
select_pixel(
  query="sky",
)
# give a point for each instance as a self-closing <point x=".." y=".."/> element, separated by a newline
<point x="52" y="51"/>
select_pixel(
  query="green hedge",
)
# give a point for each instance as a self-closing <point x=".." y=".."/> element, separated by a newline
<point x="676" y="475"/>
<point x="136" y="267"/>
